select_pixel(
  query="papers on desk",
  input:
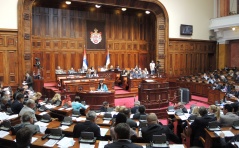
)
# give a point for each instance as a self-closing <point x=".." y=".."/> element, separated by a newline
<point x="102" y="113"/>
<point x="102" y="144"/>
<point x="63" y="127"/>
<point x="226" y="133"/>
<point x="42" y="103"/>
<point x="131" y="115"/>
<point x="106" y="121"/>
<point x="66" y="142"/>
<point x="69" y="108"/>
<point x="87" y="145"/>
<point x="12" y="116"/>
<point x="183" y="117"/>
<point x="50" y="143"/>
<point x="42" y="113"/>
<point x="176" y="146"/>
<point x="4" y="116"/>
<point x="236" y="143"/>
<point x="170" y="112"/>
<point x="103" y="131"/>
<point x="86" y="106"/>
<point x="41" y="123"/>
<point x="80" y="119"/>
<point x="61" y="109"/>
<point x="137" y="122"/>
<point x="114" y="113"/>
<point x="3" y="134"/>
<point x="50" y="106"/>
<point x="33" y="139"/>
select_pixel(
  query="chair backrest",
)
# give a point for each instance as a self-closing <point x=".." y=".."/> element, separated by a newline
<point x="9" y="110"/>
<point x="46" y="117"/>
<point x="192" y="117"/>
<point x="171" y="108"/>
<point x="75" y="112"/>
<point x="213" y="124"/>
<point x="58" y="103"/>
<point x="236" y="123"/>
<point x="6" y="124"/>
<point x="108" y="115"/>
<point x="143" y="117"/>
<point x="87" y="135"/>
<point x="159" y="139"/>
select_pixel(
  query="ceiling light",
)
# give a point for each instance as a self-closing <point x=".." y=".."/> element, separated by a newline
<point x="147" y="12"/>
<point x="123" y="9"/>
<point x="233" y="28"/>
<point x="97" y="6"/>
<point x="68" y="2"/>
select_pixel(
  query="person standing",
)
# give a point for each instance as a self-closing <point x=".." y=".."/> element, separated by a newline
<point x="152" y="67"/>
<point x="29" y="81"/>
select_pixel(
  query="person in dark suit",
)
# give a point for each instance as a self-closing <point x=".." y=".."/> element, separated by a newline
<point x="198" y="126"/>
<point x="141" y="112"/>
<point x="122" y="131"/>
<point x="17" y="105"/>
<point x="136" y="107"/>
<point x="88" y="126"/>
<point x="105" y="107"/>
<point x="228" y="117"/>
<point x="129" y="121"/>
<point x="154" y="128"/>
<point x="29" y="81"/>
<point x="24" y="137"/>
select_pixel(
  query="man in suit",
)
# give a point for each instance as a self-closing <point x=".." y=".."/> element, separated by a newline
<point x="88" y="126"/>
<point x="17" y="104"/>
<point x="30" y="105"/>
<point x="24" y="137"/>
<point x="29" y="81"/>
<point x="141" y="112"/>
<point x="198" y="126"/>
<point x="28" y="121"/>
<point x="136" y="107"/>
<point x="122" y="131"/>
<point x="154" y="128"/>
<point x="129" y="121"/>
<point x="228" y="117"/>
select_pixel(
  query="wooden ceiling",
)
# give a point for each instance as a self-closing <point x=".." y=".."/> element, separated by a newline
<point x="108" y="6"/>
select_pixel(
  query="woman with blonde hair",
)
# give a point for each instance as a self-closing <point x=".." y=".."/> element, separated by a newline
<point x="214" y="110"/>
<point x="57" y="97"/>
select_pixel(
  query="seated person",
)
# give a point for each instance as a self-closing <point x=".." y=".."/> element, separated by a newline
<point x="141" y="112"/>
<point x="136" y="107"/>
<point x="154" y="128"/>
<point x="76" y="105"/>
<point x="88" y="73"/>
<point x="72" y="71"/>
<point x="227" y="118"/>
<point x="59" y="70"/>
<point x="28" y="107"/>
<point x="57" y="97"/>
<point x="120" y="118"/>
<point x="180" y="107"/>
<point x="24" y="137"/>
<point x="5" y="103"/>
<point x="27" y="119"/>
<point x="105" y="107"/>
<point x="129" y="121"/>
<point x="102" y="86"/>
<point x="17" y="104"/>
<point x="198" y="126"/>
<point x="88" y="126"/>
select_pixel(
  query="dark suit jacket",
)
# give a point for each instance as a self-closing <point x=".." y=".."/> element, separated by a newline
<point x="131" y="123"/>
<point x="134" y="109"/>
<point x="137" y="115"/>
<point x="86" y="126"/>
<point x="29" y="82"/>
<point x="198" y="128"/>
<point x="16" y="107"/>
<point x="122" y="144"/>
<point x="157" y="129"/>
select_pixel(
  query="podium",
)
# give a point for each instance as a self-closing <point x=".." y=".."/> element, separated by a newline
<point x="153" y="94"/>
<point x="38" y="85"/>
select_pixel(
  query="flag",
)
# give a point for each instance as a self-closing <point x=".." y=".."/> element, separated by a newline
<point x="107" y="59"/>
<point x="85" y="63"/>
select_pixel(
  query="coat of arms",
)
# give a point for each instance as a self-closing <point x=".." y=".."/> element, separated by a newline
<point x="95" y="37"/>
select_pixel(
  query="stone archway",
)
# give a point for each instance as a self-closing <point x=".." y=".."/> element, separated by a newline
<point x="25" y="28"/>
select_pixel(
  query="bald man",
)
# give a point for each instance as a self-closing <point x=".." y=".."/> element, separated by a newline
<point x="154" y="128"/>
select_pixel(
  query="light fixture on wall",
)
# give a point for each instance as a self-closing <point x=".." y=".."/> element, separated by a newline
<point x="233" y="28"/>
<point x="97" y="6"/>
<point x="123" y="9"/>
<point x="147" y="12"/>
<point x="68" y="2"/>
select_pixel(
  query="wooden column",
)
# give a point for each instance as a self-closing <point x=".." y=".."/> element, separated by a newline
<point x="224" y="7"/>
<point x="223" y="53"/>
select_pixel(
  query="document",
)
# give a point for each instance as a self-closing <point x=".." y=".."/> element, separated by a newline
<point x="183" y="117"/>
<point x="176" y="146"/>
<point x="87" y="145"/>
<point x="33" y="139"/>
<point x="80" y="119"/>
<point x="66" y="142"/>
<point x="12" y="116"/>
<point x="102" y="144"/>
<point x="63" y="127"/>
<point x="61" y="109"/>
<point x="50" y="143"/>
<point x="42" y="113"/>
<point x="41" y="124"/>
<point x="106" y="121"/>
<point x="226" y="133"/>
<point x="103" y="131"/>
<point x="3" y="134"/>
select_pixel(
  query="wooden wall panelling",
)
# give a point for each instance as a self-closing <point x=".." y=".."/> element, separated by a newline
<point x="13" y="67"/>
<point x="2" y="64"/>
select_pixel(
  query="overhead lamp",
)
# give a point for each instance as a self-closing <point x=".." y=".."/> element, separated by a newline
<point x="233" y="28"/>
<point x="97" y="6"/>
<point x="68" y="2"/>
<point x="147" y="12"/>
<point x="123" y="9"/>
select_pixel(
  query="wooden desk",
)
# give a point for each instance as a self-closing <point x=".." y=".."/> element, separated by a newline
<point x="211" y="135"/>
<point x="95" y="99"/>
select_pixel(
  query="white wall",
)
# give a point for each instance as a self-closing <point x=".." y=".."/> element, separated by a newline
<point x="8" y="14"/>
<point x="190" y="12"/>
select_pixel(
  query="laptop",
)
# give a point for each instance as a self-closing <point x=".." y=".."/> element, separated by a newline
<point x="213" y="126"/>
<point x="56" y="134"/>
<point x="87" y="137"/>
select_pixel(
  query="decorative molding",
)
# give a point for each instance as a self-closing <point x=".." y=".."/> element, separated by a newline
<point x="161" y="56"/>
<point x="26" y="16"/>
<point x="27" y="36"/>
<point x="27" y="56"/>
<point x="161" y="27"/>
<point x="161" y="41"/>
